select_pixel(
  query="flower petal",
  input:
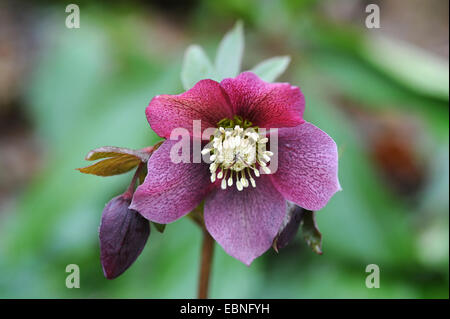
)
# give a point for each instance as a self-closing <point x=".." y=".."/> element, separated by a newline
<point x="206" y="101"/>
<point x="123" y="234"/>
<point x="268" y="105"/>
<point x="307" y="173"/>
<point x="245" y="222"/>
<point x="170" y="190"/>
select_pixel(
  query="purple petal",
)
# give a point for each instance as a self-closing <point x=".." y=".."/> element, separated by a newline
<point x="245" y="222"/>
<point x="170" y="190"/>
<point x="206" y="101"/>
<point x="307" y="172"/>
<point x="267" y="105"/>
<point x="123" y="234"/>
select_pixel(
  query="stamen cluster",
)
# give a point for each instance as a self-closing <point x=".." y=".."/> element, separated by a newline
<point x="237" y="153"/>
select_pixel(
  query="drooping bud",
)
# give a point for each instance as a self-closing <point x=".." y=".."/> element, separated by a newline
<point x="289" y="228"/>
<point x="297" y="216"/>
<point x="123" y="234"/>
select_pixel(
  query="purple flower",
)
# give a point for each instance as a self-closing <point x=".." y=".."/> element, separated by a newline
<point x="243" y="209"/>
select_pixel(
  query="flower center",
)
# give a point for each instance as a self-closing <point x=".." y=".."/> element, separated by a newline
<point x="236" y="155"/>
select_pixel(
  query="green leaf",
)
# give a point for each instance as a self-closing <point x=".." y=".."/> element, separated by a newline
<point x="159" y="227"/>
<point x="118" y="160"/>
<point x="113" y="151"/>
<point x="311" y="233"/>
<point x="272" y="68"/>
<point x="112" y="166"/>
<point x="196" y="66"/>
<point x="230" y="51"/>
<point x="412" y="66"/>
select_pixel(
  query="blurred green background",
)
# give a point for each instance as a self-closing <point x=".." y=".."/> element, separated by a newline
<point x="382" y="94"/>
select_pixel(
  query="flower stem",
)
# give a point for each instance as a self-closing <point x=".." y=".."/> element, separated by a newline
<point x="130" y="190"/>
<point x="205" y="266"/>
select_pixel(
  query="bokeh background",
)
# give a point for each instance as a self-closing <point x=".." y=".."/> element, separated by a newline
<point x="382" y="94"/>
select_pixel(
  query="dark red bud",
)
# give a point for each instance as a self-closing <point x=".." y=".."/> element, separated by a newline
<point x="291" y="223"/>
<point x="123" y="235"/>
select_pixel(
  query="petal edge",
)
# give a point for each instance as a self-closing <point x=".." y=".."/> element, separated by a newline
<point x="245" y="223"/>
<point x="307" y="172"/>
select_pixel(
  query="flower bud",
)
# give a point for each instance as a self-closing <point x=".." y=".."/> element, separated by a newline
<point x="289" y="228"/>
<point x="123" y="234"/>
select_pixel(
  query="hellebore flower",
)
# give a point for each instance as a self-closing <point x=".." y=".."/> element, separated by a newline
<point x="245" y="203"/>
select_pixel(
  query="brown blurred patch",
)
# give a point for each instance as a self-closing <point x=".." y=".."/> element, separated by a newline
<point x="393" y="141"/>
<point x="19" y="151"/>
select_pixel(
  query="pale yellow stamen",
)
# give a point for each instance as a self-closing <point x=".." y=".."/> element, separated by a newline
<point x="238" y="151"/>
